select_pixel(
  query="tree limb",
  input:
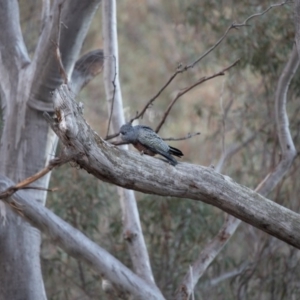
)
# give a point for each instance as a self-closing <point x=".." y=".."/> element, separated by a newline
<point x="78" y="245"/>
<point x="184" y="91"/>
<point x="230" y="225"/>
<point x="13" y="52"/>
<point x="153" y="176"/>
<point x="24" y="183"/>
<point x="182" y="69"/>
<point x="73" y="30"/>
<point x="288" y="150"/>
<point x="188" y="136"/>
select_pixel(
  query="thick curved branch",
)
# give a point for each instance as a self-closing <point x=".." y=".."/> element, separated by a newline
<point x="230" y="225"/>
<point x="75" y="18"/>
<point x="150" y="175"/>
<point x="78" y="245"/>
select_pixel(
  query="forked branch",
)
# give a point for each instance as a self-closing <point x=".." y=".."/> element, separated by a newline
<point x="187" y="89"/>
<point x="181" y="69"/>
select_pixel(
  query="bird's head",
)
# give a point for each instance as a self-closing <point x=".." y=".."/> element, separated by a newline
<point x="128" y="133"/>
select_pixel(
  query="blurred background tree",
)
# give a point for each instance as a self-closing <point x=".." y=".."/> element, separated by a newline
<point x="154" y="38"/>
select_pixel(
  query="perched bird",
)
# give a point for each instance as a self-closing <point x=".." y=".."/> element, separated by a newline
<point x="148" y="142"/>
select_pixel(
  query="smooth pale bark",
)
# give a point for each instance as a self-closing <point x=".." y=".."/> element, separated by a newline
<point x="76" y="16"/>
<point x="297" y="25"/>
<point x="132" y="230"/>
<point x="27" y="142"/>
<point x="154" y="176"/>
<point x="79" y="246"/>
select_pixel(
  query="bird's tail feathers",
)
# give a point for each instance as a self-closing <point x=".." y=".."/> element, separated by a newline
<point x="175" y="151"/>
<point x="169" y="157"/>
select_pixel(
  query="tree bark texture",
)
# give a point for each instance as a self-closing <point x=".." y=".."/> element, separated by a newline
<point x="154" y="176"/>
<point x="27" y="143"/>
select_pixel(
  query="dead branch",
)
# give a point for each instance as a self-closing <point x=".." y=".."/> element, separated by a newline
<point x="57" y="50"/>
<point x="182" y="69"/>
<point x="109" y="137"/>
<point x="232" y="26"/>
<point x="113" y="97"/>
<point x="185" y="90"/>
<point x="57" y="162"/>
<point x="149" y="103"/>
<point x="188" y="136"/>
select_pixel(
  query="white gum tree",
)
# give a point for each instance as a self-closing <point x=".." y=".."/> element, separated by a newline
<point x="35" y="117"/>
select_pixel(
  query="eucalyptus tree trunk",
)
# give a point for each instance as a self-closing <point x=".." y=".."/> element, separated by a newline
<point x="27" y="142"/>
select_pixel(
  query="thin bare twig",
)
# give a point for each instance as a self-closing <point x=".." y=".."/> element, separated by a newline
<point x="182" y="69"/>
<point x="185" y="90"/>
<point x="111" y="136"/>
<point x="234" y="25"/>
<point x="188" y="136"/>
<point x="24" y="183"/>
<point x="138" y="115"/>
<point x="223" y="117"/>
<point x="57" y="50"/>
<point x="113" y="98"/>
<point x="262" y="13"/>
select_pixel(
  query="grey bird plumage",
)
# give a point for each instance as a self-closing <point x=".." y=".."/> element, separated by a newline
<point x="149" y="142"/>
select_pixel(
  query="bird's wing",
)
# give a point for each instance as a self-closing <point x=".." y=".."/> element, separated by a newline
<point x="145" y="127"/>
<point x="148" y="138"/>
